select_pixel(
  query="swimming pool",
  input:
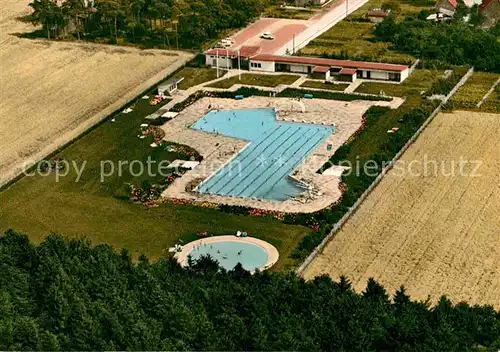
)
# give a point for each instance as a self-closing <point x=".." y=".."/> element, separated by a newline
<point x="262" y="169"/>
<point x="228" y="251"/>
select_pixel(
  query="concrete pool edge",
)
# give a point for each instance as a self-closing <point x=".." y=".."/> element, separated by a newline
<point x="217" y="149"/>
<point x="258" y="127"/>
<point x="272" y="252"/>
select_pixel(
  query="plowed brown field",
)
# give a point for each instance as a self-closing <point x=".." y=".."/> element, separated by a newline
<point x="438" y="234"/>
<point x="52" y="91"/>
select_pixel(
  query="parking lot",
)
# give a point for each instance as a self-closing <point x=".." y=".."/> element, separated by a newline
<point x="292" y="34"/>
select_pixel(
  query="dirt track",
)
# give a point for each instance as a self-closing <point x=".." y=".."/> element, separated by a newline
<point x="52" y="91"/>
<point x="435" y="234"/>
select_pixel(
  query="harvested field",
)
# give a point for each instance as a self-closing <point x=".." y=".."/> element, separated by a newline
<point x="53" y="91"/>
<point x="436" y="234"/>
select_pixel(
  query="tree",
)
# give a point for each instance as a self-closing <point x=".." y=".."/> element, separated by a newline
<point x="69" y="295"/>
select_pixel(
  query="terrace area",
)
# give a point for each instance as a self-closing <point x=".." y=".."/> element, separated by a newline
<point x="333" y="122"/>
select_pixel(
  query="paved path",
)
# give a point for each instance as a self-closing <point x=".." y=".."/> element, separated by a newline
<point x="353" y="86"/>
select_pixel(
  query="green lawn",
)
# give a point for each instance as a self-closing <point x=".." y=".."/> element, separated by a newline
<point x="492" y="104"/>
<point x="376" y="134"/>
<point x="197" y="75"/>
<point x="251" y="79"/>
<point x="38" y="205"/>
<point x="322" y="85"/>
<point x="417" y="82"/>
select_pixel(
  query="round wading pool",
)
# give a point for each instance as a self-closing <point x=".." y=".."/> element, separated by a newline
<point x="228" y="251"/>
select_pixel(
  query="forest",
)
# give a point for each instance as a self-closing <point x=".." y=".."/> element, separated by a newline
<point x="69" y="295"/>
<point x="453" y="42"/>
<point x="150" y="23"/>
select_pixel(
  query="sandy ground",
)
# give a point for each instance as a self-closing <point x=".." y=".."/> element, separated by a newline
<point x="50" y="92"/>
<point x="435" y="234"/>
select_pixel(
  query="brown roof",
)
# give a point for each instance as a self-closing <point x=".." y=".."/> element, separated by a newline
<point x="377" y="13"/>
<point x="347" y="71"/>
<point x="245" y="51"/>
<point x="321" y="69"/>
<point x="222" y="52"/>
<point x="486" y="4"/>
<point x="249" y="51"/>
<point x="314" y="61"/>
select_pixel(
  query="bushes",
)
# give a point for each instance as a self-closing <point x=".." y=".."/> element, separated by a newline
<point x="444" y="85"/>
<point x="299" y="93"/>
<point x="69" y="295"/>
<point x="452" y="42"/>
<point x="245" y="91"/>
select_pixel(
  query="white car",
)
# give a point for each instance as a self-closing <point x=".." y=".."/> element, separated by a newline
<point x="226" y="41"/>
<point x="267" y="35"/>
<point x="222" y="45"/>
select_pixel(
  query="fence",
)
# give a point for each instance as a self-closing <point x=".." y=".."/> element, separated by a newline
<point x="488" y="94"/>
<point x="313" y="31"/>
<point x="365" y="194"/>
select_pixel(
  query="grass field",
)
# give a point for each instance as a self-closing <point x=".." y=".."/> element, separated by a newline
<point x="431" y="231"/>
<point x="353" y="39"/>
<point x="52" y="91"/>
<point x="322" y="85"/>
<point x="251" y="79"/>
<point x="418" y="81"/>
<point x="471" y="93"/>
<point x="492" y="104"/>
<point x="39" y="206"/>
<point x="197" y="75"/>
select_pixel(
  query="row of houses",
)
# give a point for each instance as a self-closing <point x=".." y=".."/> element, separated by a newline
<point x="248" y="58"/>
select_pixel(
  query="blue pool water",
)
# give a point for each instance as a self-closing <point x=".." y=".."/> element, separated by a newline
<point x="261" y="169"/>
<point x="230" y="253"/>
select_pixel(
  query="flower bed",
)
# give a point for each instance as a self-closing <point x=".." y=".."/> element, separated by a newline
<point x="149" y="195"/>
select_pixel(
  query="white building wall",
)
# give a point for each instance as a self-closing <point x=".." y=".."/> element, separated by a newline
<point x="379" y="75"/>
<point x="376" y="19"/>
<point x="264" y="66"/>
<point x="327" y="76"/>
<point x="211" y="60"/>
<point x="404" y="75"/>
<point x="298" y="68"/>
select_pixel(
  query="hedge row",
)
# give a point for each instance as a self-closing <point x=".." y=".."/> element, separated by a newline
<point x="286" y="93"/>
<point x="299" y="93"/>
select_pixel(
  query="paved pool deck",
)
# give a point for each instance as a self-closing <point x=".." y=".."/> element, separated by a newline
<point x="272" y="252"/>
<point x="217" y="150"/>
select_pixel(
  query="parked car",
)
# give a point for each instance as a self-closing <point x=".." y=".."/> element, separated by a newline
<point x="267" y="35"/>
<point x="222" y="45"/>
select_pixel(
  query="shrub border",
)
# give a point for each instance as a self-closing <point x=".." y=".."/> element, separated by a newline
<point x="337" y="226"/>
